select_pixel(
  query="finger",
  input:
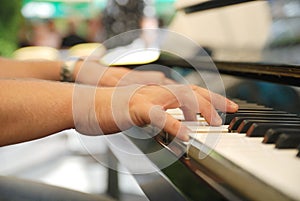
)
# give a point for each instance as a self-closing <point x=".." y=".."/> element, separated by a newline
<point x="222" y="103"/>
<point x="218" y="101"/>
<point x="159" y="118"/>
<point x="187" y="100"/>
<point x="189" y="114"/>
<point x="184" y="98"/>
<point x="204" y="107"/>
<point x="208" y="111"/>
<point x="194" y="101"/>
<point x="175" y="128"/>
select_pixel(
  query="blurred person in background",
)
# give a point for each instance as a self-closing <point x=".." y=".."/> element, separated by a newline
<point x="72" y="38"/>
<point x="122" y="16"/>
<point x="46" y="34"/>
<point x="95" y="29"/>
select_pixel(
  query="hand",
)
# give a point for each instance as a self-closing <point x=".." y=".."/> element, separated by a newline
<point x="118" y="109"/>
<point x="93" y="73"/>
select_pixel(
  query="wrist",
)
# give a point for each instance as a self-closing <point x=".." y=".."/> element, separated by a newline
<point x="89" y="72"/>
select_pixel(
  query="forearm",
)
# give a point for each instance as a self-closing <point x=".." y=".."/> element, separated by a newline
<point x="85" y="72"/>
<point x="40" y="69"/>
<point x="33" y="109"/>
<point x="91" y="72"/>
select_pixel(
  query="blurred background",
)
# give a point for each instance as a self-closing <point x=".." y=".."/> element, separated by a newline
<point x="64" y="23"/>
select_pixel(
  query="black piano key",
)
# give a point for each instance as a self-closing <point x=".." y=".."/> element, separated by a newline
<point x="298" y="155"/>
<point x="228" y="117"/>
<point x="259" y="129"/>
<point x="250" y="104"/>
<point x="238" y="101"/>
<point x="236" y="121"/>
<point x="288" y="141"/>
<point x="246" y="124"/>
<point x="254" y="107"/>
<point x="272" y="134"/>
<point x="260" y="111"/>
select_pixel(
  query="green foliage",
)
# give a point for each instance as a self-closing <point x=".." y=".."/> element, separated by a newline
<point x="10" y="20"/>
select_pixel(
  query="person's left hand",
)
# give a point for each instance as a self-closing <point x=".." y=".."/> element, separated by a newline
<point x="93" y="73"/>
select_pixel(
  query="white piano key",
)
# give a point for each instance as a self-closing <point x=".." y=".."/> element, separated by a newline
<point x="178" y="114"/>
<point x="195" y="123"/>
<point x="209" y="129"/>
<point x="181" y="117"/>
<point x="175" y="111"/>
<point x="278" y="168"/>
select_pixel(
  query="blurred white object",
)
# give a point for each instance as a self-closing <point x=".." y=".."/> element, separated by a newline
<point x="133" y="54"/>
<point x="96" y="50"/>
<point x="36" y="52"/>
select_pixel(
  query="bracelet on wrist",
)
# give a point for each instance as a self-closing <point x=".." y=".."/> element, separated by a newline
<point x="67" y="69"/>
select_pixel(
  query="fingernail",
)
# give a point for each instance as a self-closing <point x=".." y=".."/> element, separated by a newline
<point x="234" y="105"/>
<point x="186" y="137"/>
<point x="184" y="134"/>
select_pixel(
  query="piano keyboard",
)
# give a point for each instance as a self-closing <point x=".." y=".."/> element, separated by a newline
<point x="256" y="152"/>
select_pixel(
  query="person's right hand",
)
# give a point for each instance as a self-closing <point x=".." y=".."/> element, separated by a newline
<point x="118" y="109"/>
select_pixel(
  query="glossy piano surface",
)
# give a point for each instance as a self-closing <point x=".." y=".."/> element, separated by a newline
<point x="264" y="45"/>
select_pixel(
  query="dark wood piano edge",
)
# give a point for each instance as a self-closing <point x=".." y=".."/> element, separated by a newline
<point x="277" y="73"/>
<point x="286" y="74"/>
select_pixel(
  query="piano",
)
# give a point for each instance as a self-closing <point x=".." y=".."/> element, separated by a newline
<point x="255" y="155"/>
